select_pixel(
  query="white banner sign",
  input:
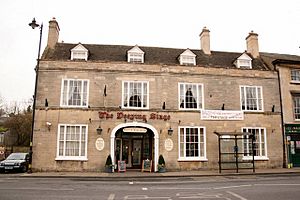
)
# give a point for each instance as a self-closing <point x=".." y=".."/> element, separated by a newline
<point x="222" y="115"/>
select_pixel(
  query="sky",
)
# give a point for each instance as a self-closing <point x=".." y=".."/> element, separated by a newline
<point x="155" y="23"/>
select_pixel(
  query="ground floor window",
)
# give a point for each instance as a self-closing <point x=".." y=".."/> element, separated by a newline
<point x="192" y="143"/>
<point x="260" y="143"/>
<point x="72" y="142"/>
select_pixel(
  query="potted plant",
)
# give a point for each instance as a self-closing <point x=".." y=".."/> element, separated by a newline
<point x="161" y="164"/>
<point x="108" y="165"/>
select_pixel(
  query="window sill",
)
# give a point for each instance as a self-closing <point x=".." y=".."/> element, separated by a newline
<point x="83" y="107"/>
<point x="256" y="158"/>
<point x="135" y="108"/>
<point x="295" y="82"/>
<point x="192" y="159"/>
<point x="71" y="159"/>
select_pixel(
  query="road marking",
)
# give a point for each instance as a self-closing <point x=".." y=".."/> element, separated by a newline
<point x="144" y="188"/>
<point x="204" y="195"/>
<point x="234" y="186"/>
<point x="236" y="195"/>
<point x="279" y="184"/>
<point x="47" y="189"/>
<point x="111" y="197"/>
<point x="144" y="197"/>
<point x="176" y="188"/>
<point x="131" y="183"/>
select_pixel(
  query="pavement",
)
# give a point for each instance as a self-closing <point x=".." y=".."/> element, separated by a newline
<point x="139" y="174"/>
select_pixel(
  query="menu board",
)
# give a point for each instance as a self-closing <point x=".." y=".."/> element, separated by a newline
<point x="121" y="166"/>
<point x="147" y="165"/>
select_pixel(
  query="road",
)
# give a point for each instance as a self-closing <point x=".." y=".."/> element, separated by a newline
<point x="248" y="187"/>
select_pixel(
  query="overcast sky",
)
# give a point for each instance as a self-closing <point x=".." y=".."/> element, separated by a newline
<point x="159" y="23"/>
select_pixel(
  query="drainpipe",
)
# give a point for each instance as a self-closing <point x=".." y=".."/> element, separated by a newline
<point x="282" y="121"/>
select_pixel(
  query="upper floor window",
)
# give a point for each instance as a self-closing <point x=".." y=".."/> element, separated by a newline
<point x="135" y="94"/>
<point x="79" y="53"/>
<point x="1" y="138"/>
<point x="192" y="143"/>
<point x="74" y="93"/>
<point x="135" y="55"/>
<point x="190" y="96"/>
<point x="187" y="58"/>
<point x="259" y="143"/>
<point x="295" y="75"/>
<point x="72" y="142"/>
<point x="244" y="61"/>
<point x="296" y="101"/>
<point x="251" y="98"/>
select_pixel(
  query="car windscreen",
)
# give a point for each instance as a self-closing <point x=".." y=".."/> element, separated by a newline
<point x="16" y="156"/>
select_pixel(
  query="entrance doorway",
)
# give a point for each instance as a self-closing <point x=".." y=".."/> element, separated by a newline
<point x="294" y="150"/>
<point x="133" y="147"/>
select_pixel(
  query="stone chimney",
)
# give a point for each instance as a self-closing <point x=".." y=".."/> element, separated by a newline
<point x="205" y="41"/>
<point x="53" y="33"/>
<point x="252" y="44"/>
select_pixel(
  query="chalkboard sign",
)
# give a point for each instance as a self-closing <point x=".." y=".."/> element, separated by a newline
<point x="121" y="166"/>
<point x="147" y="165"/>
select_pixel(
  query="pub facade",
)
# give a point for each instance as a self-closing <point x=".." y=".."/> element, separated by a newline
<point x="136" y="103"/>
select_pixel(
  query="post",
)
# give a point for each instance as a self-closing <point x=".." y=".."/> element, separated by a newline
<point x="34" y="25"/>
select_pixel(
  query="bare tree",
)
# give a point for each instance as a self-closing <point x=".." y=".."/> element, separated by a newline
<point x="18" y="125"/>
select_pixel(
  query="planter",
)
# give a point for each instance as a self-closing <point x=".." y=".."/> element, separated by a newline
<point x="108" y="169"/>
<point x="162" y="170"/>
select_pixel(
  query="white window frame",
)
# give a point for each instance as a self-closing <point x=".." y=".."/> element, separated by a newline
<point x="187" y="60"/>
<point x="201" y="155"/>
<point x="259" y="103"/>
<point x="295" y="75"/>
<point x="199" y="96"/>
<point x="1" y="138"/>
<point x="65" y="95"/>
<point x="134" y="57"/>
<point x="127" y="94"/>
<point x="79" y="53"/>
<point x="296" y="106"/>
<point x="64" y="140"/>
<point x="244" y="63"/>
<point x="262" y="144"/>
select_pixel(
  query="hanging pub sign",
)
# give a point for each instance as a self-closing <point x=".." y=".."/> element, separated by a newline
<point x="222" y="115"/>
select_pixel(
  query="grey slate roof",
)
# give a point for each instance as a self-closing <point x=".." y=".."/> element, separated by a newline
<point x="153" y="55"/>
<point x="268" y="58"/>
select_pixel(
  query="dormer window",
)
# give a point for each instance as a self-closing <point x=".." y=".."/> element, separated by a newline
<point x="244" y="62"/>
<point x="135" y="55"/>
<point x="187" y="58"/>
<point x="79" y="53"/>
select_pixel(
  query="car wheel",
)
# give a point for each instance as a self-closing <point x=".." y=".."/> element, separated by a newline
<point x="1" y="171"/>
<point x="24" y="169"/>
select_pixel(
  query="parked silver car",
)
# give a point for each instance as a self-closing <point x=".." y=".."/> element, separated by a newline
<point x="15" y="162"/>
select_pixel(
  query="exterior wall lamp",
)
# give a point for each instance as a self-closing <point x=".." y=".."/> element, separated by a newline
<point x="99" y="130"/>
<point x="48" y="124"/>
<point x="170" y="131"/>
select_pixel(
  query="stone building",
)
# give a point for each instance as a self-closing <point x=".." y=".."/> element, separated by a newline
<point x="288" y="68"/>
<point x="136" y="103"/>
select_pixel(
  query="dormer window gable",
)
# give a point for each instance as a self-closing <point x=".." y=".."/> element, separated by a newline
<point x="79" y="53"/>
<point x="244" y="61"/>
<point x="135" y="55"/>
<point x="187" y="58"/>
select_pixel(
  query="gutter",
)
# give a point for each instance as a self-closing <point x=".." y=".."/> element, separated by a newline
<point x="284" y="157"/>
